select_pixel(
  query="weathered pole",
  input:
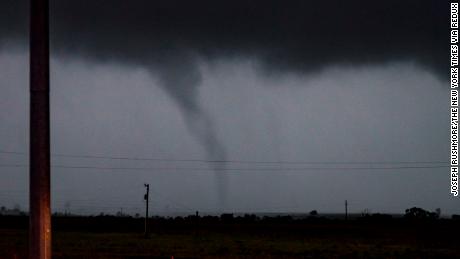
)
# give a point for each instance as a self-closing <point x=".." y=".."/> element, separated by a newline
<point x="40" y="209"/>
<point x="146" y="198"/>
<point x="346" y="210"/>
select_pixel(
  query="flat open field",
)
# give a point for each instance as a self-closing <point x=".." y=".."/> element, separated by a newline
<point x="198" y="238"/>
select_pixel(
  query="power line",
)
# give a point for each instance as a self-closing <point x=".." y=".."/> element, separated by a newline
<point x="231" y="169"/>
<point x="234" y="161"/>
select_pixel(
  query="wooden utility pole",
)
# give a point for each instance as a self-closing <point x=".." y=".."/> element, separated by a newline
<point x="146" y="198"/>
<point x="39" y="172"/>
<point x="346" y="210"/>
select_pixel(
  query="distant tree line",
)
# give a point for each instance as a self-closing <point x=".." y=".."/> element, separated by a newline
<point x="413" y="213"/>
<point x="419" y="213"/>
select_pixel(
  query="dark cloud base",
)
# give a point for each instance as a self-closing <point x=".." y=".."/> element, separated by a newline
<point x="301" y="36"/>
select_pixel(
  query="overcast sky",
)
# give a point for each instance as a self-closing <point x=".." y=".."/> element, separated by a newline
<point x="332" y="84"/>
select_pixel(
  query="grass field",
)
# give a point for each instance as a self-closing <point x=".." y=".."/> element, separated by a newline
<point x="329" y="239"/>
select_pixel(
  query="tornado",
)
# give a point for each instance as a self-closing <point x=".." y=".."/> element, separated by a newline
<point x="181" y="79"/>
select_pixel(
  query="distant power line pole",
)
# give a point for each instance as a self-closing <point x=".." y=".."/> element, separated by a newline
<point x="39" y="171"/>
<point x="346" y="210"/>
<point x="146" y="198"/>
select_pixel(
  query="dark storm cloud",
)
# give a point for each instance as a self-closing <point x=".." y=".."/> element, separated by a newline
<point x="170" y="38"/>
<point x="281" y="35"/>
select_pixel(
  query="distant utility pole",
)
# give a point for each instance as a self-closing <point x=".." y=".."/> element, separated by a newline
<point x="346" y="210"/>
<point x="146" y="198"/>
<point x="39" y="129"/>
